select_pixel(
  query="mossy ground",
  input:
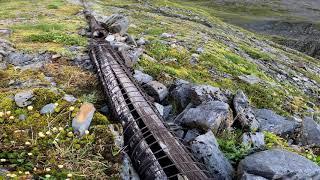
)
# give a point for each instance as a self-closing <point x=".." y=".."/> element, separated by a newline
<point x="40" y="144"/>
<point x="43" y="145"/>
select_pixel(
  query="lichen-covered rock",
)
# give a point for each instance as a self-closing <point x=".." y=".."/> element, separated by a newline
<point x="156" y="90"/>
<point x="48" y="109"/>
<point x="83" y="119"/>
<point x="206" y="150"/>
<point x="23" y="99"/>
<point x="205" y="93"/>
<point x="141" y="77"/>
<point x="270" y="121"/>
<point x="245" y="115"/>
<point x="214" y="115"/>
<point x="278" y="164"/>
<point x="310" y="133"/>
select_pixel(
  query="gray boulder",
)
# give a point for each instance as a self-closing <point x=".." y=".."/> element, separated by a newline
<point x="245" y="115"/>
<point x="278" y="164"/>
<point x="141" y="77"/>
<point x="206" y="150"/>
<point x="214" y="115"/>
<point x="270" y="121"/>
<point x="181" y="95"/>
<point x="156" y="90"/>
<point x="116" y="23"/>
<point x="48" y="109"/>
<point x="23" y="99"/>
<point x="247" y="176"/>
<point x="205" y="93"/>
<point x="310" y="133"/>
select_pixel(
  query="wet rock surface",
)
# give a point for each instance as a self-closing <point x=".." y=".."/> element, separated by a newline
<point x="274" y="164"/>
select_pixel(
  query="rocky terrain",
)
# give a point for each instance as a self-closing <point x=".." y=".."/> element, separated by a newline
<point x="247" y="107"/>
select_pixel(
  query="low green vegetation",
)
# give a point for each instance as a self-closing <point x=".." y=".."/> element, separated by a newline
<point x="57" y="38"/>
<point x="45" y="145"/>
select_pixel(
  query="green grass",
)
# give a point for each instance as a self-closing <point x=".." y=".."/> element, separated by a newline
<point x="43" y="26"/>
<point x="255" y="53"/>
<point x="62" y="38"/>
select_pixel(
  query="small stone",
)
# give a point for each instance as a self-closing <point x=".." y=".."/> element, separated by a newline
<point x="69" y="98"/>
<point x="56" y="56"/>
<point x="22" y="117"/>
<point x="5" y="33"/>
<point x="141" y="41"/>
<point x="110" y="38"/>
<point x="83" y="119"/>
<point x="200" y="50"/>
<point x="194" y="59"/>
<point x="22" y="99"/>
<point x="167" y="35"/>
<point x="156" y="90"/>
<point x="250" y="79"/>
<point x="48" y="109"/>
<point x="141" y="77"/>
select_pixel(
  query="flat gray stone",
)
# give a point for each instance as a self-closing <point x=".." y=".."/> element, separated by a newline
<point x="48" y="109"/>
<point x="206" y="150"/>
<point x="278" y="164"/>
<point x="23" y="99"/>
<point x="69" y="98"/>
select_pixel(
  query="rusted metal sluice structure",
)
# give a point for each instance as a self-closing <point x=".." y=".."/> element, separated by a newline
<point x="155" y="152"/>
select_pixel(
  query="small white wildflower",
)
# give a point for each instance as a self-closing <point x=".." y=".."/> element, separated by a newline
<point x="68" y="179"/>
<point x="8" y="113"/>
<point x="3" y="160"/>
<point x="71" y="108"/>
<point x="86" y="132"/>
<point x="55" y="129"/>
<point x="27" y="173"/>
<point x="9" y="175"/>
<point x="56" y="104"/>
<point x="27" y="143"/>
<point x="48" y="169"/>
<point x="30" y="108"/>
<point x="35" y="169"/>
<point x="48" y="133"/>
<point x="60" y="166"/>
<point x="41" y="134"/>
<point x="69" y="175"/>
<point x="70" y="134"/>
<point x="20" y="172"/>
<point x="29" y="154"/>
<point x="61" y="129"/>
<point x="13" y="175"/>
<point x="12" y="142"/>
<point x="1" y="114"/>
<point x="48" y="175"/>
<point x="11" y="117"/>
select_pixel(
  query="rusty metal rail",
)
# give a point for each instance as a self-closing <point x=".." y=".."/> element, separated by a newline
<point x="155" y="152"/>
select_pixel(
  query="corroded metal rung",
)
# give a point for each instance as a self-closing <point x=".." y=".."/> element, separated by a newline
<point x="156" y="153"/>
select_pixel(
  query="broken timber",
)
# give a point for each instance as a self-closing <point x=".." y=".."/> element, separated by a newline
<point x="154" y="151"/>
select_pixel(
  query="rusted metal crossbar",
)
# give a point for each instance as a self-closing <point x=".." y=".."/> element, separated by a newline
<point x="155" y="152"/>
